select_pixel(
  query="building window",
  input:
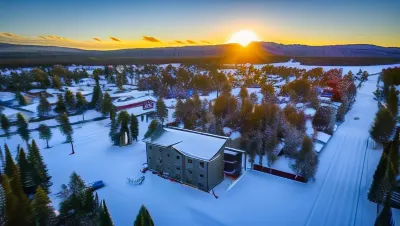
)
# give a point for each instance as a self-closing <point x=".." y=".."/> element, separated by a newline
<point x="160" y="150"/>
<point x="202" y="164"/>
<point x="201" y="175"/>
<point x="178" y="157"/>
<point x="190" y="171"/>
<point x="189" y="160"/>
<point x="168" y="155"/>
<point x="200" y="185"/>
<point x="149" y="158"/>
<point x="150" y="147"/>
<point x="178" y="168"/>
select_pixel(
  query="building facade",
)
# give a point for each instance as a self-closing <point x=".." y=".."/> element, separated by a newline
<point x="177" y="154"/>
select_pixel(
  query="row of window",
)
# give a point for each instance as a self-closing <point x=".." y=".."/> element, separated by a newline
<point x="179" y="157"/>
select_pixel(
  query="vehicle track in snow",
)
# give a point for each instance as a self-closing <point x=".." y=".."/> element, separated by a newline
<point x="337" y="201"/>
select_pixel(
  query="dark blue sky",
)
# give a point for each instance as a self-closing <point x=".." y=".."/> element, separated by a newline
<point x="287" y="21"/>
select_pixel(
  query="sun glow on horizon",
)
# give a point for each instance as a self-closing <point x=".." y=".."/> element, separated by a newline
<point x="243" y="37"/>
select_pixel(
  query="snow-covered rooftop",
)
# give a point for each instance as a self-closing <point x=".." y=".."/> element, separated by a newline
<point x="6" y="96"/>
<point x="310" y="111"/>
<point x="323" y="137"/>
<point x="36" y="90"/>
<point x="192" y="144"/>
<point x="122" y="101"/>
<point x="318" y="147"/>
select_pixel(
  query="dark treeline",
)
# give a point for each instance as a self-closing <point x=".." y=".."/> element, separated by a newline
<point x="15" y="61"/>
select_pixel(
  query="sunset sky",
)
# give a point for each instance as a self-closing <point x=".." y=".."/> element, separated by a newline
<point x="159" y="23"/>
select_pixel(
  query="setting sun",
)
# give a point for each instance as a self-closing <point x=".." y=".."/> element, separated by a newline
<point x="243" y="37"/>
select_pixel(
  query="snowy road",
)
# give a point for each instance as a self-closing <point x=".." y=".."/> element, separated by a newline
<point x="338" y="199"/>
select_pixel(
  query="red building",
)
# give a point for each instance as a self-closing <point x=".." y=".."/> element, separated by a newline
<point x="144" y="102"/>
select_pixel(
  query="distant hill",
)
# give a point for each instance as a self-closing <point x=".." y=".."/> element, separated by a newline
<point x="256" y="52"/>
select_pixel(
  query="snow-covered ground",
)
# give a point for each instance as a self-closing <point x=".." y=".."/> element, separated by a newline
<point x="337" y="197"/>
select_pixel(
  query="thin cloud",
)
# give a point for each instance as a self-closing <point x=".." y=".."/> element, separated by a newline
<point x="97" y="39"/>
<point x="51" y="36"/>
<point x="42" y="37"/>
<point x="191" y="42"/>
<point x="180" y="42"/>
<point x="150" y="39"/>
<point x="206" y="42"/>
<point x="115" y="39"/>
<point x="10" y="35"/>
<point x="59" y="38"/>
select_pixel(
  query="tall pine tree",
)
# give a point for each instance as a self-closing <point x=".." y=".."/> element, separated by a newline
<point x="143" y="218"/>
<point x="66" y="129"/>
<point x="44" y="106"/>
<point x="69" y="100"/>
<point x="306" y="163"/>
<point x="9" y="162"/>
<point x="43" y="213"/>
<point x="41" y="175"/>
<point x="60" y="105"/>
<point x="393" y="101"/>
<point x="104" y="215"/>
<point x="161" y="110"/>
<point x="45" y="134"/>
<point x="24" y="213"/>
<point x="134" y="126"/>
<point x="383" y="127"/>
<point x="22" y="129"/>
<point x="114" y="132"/>
<point x="3" y="207"/>
<point x="26" y="173"/>
<point x="81" y="104"/>
<point x="5" y="124"/>
<point x="21" y="99"/>
<point x="11" y="204"/>
<point x="107" y="104"/>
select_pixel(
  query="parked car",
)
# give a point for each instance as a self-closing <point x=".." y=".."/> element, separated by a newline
<point x="96" y="185"/>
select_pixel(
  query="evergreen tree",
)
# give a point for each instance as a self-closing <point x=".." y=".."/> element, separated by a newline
<point x="114" y="132"/>
<point x="120" y="81"/>
<point x="69" y="100"/>
<point x="161" y="110"/>
<point x="21" y="99"/>
<point x="81" y="103"/>
<point x="379" y="187"/>
<point x="393" y="101"/>
<point x="104" y="216"/>
<point x="39" y="168"/>
<point x="143" y="218"/>
<point x="45" y="133"/>
<point x="44" y="106"/>
<point x="383" y="127"/>
<point x="11" y="204"/>
<point x="385" y="217"/>
<point x="22" y="125"/>
<point x="179" y="111"/>
<point x="253" y="98"/>
<point x="43" y="213"/>
<point x="76" y="184"/>
<point x="5" y="124"/>
<point x="123" y="121"/>
<point x="96" y="95"/>
<point x="56" y="82"/>
<point x="25" y="170"/>
<point x="107" y="104"/>
<point x="3" y="207"/>
<point x="9" y="162"/>
<point x="66" y="129"/>
<point x="151" y="129"/>
<point x="134" y="126"/>
<point x="60" y="105"/>
<point x="306" y="163"/>
<point x="24" y="213"/>
<point x="243" y="92"/>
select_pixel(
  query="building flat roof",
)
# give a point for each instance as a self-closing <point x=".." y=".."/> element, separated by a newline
<point x="192" y="144"/>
